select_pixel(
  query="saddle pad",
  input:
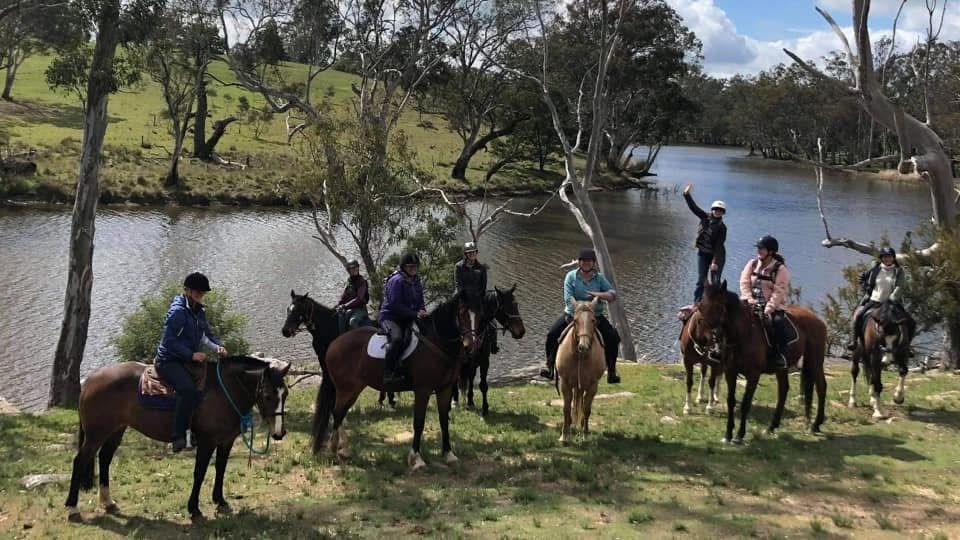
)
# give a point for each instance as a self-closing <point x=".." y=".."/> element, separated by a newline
<point x="154" y="393"/>
<point x="152" y="385"/>
<point x="377" y="346"/>
<point x="791" y="334"/>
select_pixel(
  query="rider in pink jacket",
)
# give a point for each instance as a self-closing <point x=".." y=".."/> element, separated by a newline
<point x="764" y="282"/>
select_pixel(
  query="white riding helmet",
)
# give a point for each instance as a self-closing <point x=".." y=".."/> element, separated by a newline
<point x="719" y="204"/>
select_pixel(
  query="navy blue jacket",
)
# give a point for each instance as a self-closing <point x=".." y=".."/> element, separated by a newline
<point x="402" y="299"/>
<point x="183" y="332"/>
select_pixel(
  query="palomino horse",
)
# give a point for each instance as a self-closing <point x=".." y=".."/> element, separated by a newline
<point x="886" y="340"/>
<point x="109" y="403"/>
<point x="694" y="345"/>
<point x="580" y="364"/>
<point x="500" y="306"/>
<point x="433" y="368"/>
<point x="746" y="353"/>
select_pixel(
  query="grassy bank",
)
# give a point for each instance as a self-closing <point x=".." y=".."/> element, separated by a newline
<point x="645" y="470"/>
<point x="137" y="145"/>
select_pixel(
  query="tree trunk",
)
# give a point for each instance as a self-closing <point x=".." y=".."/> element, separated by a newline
<point x="65" y="383"/>
<point x="173" y="178"/>
<point x="471" y="148"/>
<point x="951" y="346"/>
<point x="11" y="67"/>
<point x="200" y="149"/>
<point x="219" y="129"/>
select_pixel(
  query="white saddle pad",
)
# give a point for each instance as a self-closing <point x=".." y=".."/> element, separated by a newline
<point x="377" y="346"/>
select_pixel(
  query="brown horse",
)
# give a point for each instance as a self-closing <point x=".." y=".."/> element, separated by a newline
<point x="746" y="354"/>
<point x="500" y="306"/>
<point x="694" y="345"/>
<point x="580" y="364"/>
<point x="433" y="368"/>
<point x="109" y="403"/>
<point x="886" y="340"/>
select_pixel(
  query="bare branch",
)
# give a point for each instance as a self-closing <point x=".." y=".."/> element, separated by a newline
<point x="819" y="174"/>
<point x="843" y="37"/>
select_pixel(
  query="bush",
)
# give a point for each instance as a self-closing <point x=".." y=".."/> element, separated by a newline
<point x="141" y="330"/>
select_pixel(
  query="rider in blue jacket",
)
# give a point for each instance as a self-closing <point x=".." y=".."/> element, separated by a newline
<point x="185" y="331"/>
<point x="402" y="305"/>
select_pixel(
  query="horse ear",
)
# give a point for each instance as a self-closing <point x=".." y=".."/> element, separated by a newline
<point x="280" y="368"/>
<point x="306" y="295"/>
<point x="514" y="288"/>
<point x="497" y="289"/>
<point x="723" y="285"/>
<point x="593" y="303"/>
<point x="293" y="295"/>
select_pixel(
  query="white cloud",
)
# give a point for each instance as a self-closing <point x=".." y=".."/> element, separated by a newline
<point x="726" y="51"/>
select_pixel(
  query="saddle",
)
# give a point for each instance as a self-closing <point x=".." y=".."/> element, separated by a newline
<point x="377" y="345"/>
<point x="788" y="331"/>
<point x="570" y="326"/>
<point x="155" y="393"/>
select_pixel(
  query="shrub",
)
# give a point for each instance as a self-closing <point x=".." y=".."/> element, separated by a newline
<point x="141" y="330"/>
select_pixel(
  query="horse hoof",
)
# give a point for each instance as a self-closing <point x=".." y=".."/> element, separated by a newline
<point x="454" y="405"/>
<point x="343" y="454"/>
<point x="898" y="400"/>
<point x="686" y="411"/>
<point x="471" y="407"/>
<point x="75" y="516"/>
<point x="851" y="404"/>
<point x="451" y="458"/>
<point x="224" y="508"/>
<point x="877" y="415"/>
<point x="197" y="517"/>
<point x="737" y="441"/>
<point x="113" y="509"/>
<point x="725" y="440"/>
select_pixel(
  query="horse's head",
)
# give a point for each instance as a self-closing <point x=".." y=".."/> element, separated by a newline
<point x="272" y="396"/>
<point x="714" y="304"/>
<point x="585" y="324"/>
<point x="890" y="331"/>
<point x="300" y="313"/>
<point x="507" y="312"/>
<point x="468" y="323"/>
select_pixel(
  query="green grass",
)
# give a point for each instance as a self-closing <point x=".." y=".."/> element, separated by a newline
<point x="632" y="475"/>
<point x="137" y="140"/>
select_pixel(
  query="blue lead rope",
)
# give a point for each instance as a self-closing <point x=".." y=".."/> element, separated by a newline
<point x="246" y="420"/>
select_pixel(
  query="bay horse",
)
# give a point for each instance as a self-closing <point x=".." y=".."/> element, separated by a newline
<point x="694" y="346"/>
<point x="109" y="403"/>
<point x="500" y="306"/>
<point x="886" y="340"/>
<point x="580" y="364"/>
<point x="746" y="354"/>
<point x="432" y="368"/>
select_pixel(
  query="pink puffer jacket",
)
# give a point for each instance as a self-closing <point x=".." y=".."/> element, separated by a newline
<point x="775" y="292"/>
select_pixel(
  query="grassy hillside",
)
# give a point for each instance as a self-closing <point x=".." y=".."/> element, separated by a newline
<point x="137" y="141"/>
<point x="645" y="470"/>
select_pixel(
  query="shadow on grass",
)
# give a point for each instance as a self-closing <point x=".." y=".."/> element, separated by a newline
<point x="57" y="115"/>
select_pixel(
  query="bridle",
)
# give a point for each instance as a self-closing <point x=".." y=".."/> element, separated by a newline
<point x="305" y="322"/>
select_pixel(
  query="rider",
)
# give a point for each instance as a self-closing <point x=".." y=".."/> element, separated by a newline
<point x="470" y="278"/>
<point x="402" y="305"/>
<point x="881" y="283"/>
<point x="764" y="283"/>
<point x="185" y="330"/>
<point x="583" y="284"/>
<point x="352" y="308"/>
<point x="711" y="235"/>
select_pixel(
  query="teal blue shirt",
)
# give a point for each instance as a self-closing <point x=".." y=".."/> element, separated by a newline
<point x="575" y="288"/>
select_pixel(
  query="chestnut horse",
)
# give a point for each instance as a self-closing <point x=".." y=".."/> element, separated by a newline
<point x="886" y="340"/>
<point x="694" y="346"/>
<point x="432" y="368"/>
<point x="580" y="364"/>
<point x="746" y="353"/>
<point x="109" y="403"/>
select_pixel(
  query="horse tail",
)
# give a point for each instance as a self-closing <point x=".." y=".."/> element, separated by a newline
<point x="326" y="399"/>
<point x="83" y="466"/>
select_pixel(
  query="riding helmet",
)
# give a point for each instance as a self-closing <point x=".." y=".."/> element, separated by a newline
<point x="887" y="250"/>
<point x="719" y="205"/>
<point x="587" y="254"/>
<point x="352" y="263"/>
<point x="197" y="282"/>
<point x="470" y="247"/>
<point x="410" y="258"/>
<point x="768" y="242"/>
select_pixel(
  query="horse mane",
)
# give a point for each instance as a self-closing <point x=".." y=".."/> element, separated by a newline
<point x="324" y="310"/>
<point x="444" y="314"/>
<point x="243" y="361"/>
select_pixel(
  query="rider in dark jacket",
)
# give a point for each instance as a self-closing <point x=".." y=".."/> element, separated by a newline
<point x="402" y="305"/>
<point x="185" y="331"/>
<point x="881" y="283"/>
<point x="352" y="308"/>
<point x="470" y="279"/>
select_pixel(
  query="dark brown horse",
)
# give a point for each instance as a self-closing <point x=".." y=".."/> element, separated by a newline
<point x="433" y="368"/>
<point x="695" y="343"/>
<point x="746" y="353"/>
<point x="886" y="340"/>
<point x="109" y="403"/>
<point x="500" y="306"/>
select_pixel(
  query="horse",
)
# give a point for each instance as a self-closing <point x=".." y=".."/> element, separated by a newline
<point x="694" y="345"/>
<point x="323" y="325"/>
<point x="109" y="403"/>
<point x="746" y="354"/>
<point x="500" y="306"/>
<point x="433" y="368"/>
<point x="886" y="340"/>
<point x="580" y="364"/>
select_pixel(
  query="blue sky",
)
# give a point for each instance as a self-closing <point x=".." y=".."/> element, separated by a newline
<point x="746" y="36"/>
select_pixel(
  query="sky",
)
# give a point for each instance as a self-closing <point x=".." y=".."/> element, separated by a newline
<point x="748" y="36"/>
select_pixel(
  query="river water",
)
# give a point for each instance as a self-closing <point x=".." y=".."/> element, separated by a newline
<point x="258" y="255"/>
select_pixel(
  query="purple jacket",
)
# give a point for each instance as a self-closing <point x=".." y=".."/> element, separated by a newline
<point x="402" y="299"/>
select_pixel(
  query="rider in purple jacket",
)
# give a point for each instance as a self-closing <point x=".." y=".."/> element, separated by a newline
<point x="402" y="305"/>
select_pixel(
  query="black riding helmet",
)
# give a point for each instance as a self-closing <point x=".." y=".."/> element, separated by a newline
<point x="352" y="263"/>
<point x="409" y="258"/>
<point x="197" y="282"/>
<point x="587" y="254"/>
<point x="887" y="250"/>
<point x="469" y="247"/>
<point x="768" y="242"/>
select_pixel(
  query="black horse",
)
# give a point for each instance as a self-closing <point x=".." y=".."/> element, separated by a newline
<point x="500" y="306"/>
